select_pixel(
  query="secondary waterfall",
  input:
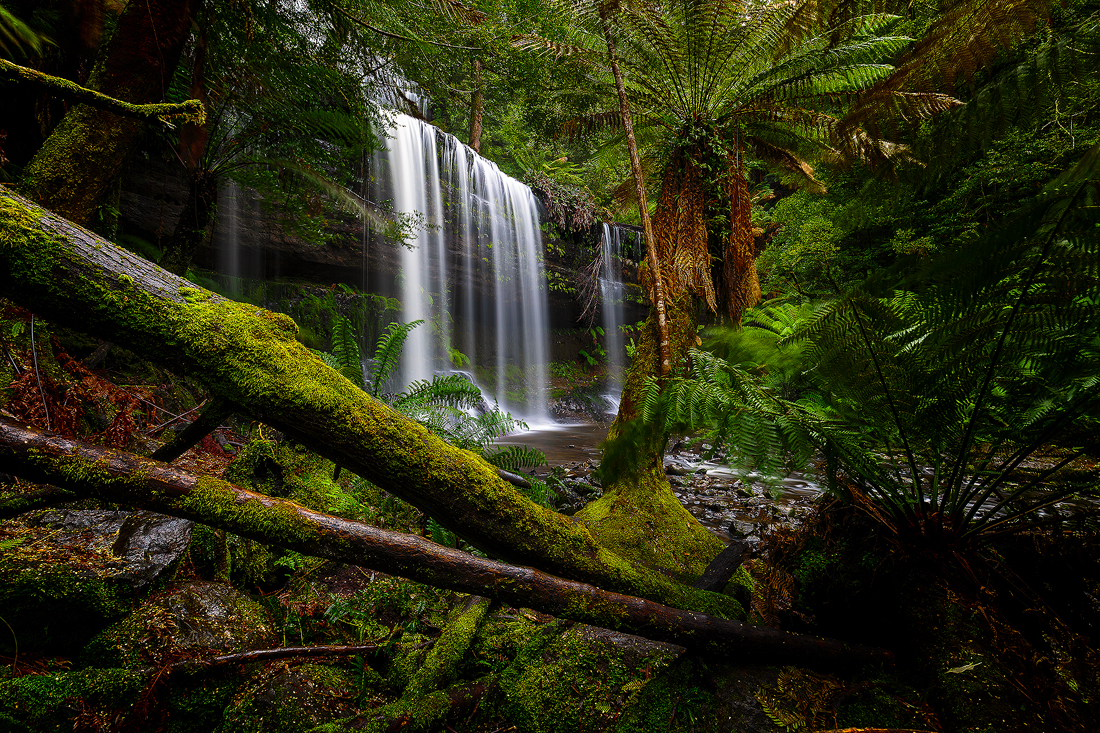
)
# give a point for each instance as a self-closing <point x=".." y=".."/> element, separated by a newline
<point x="474" y="273"/>
<point x="616" y="244"/>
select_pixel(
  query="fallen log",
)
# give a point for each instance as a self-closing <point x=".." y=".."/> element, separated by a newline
<point x="722" y="568"/>
<point x="251" y="358"/>
<point x="131" y="480"/>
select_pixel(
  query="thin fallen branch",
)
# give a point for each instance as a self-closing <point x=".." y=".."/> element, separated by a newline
<point x="194" y="666"/>
<point x="191" y="110"/>
<point x="139" y="482"/>
<point x="207" y="421"/>
<point x="722" y="568"/>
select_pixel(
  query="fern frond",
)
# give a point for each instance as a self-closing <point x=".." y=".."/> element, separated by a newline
<point x="514" y="457"/>
<point x="387" y="354"/>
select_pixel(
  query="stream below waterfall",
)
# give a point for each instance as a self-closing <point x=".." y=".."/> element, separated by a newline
<point x="734" y="504"/>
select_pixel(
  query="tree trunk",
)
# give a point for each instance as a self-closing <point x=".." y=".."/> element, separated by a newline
<point x="477" y="108"/>
<point x="251" y="358"/>
<point x="77" y="164"/>
<point x="637" y="493"/>
<point x="130" y="480"/>
<point x="665" y="361"/>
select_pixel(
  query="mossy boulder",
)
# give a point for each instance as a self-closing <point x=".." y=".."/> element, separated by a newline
<point x="282" y="699"/>
<point x="66" y="574"/>
<point x="188" y="620"/>
<point x="566" y="678"/>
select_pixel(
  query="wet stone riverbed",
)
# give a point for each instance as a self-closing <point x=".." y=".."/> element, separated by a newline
<point x="733" y="504"/>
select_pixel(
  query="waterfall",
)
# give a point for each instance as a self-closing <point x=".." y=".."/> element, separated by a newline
<point x="474" y="272"/>
<point x="226" y="237"/>
<point x="611" y="296"/>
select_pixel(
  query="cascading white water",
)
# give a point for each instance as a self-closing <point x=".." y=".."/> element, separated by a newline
<point x="226" y="235"/>
<point x="475" y="273"/>
<point x="612" y="244"/>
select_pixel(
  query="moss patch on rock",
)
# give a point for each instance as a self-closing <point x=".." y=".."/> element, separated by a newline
<point x="282" y="699"/>
<point x="188" y="620"/>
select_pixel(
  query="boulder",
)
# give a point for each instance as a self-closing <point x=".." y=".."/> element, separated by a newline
<point x="66" y="574"/>
<point x="188" y="620"/>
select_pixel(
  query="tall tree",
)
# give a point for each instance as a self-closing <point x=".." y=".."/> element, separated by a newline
<point x="83" y="157"/>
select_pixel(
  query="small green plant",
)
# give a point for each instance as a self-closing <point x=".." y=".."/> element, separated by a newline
<point x="598" y="352"/>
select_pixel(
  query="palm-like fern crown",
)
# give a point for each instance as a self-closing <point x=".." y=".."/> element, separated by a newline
<point x="760" y="64"/>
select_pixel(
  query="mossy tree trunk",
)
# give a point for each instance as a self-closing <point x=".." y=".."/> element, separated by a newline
<point x="251" y="358"/>
<point x="76" y="166"/>
<point x="639" y="516"/>
<point x="130" y="480"/>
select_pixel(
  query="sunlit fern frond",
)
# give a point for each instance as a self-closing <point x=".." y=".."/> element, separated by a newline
<point x="19" y="39"/>
<point x="345" y="357"/>
<point x="514" y="457"/>
<point x="387" y="354"/>
<point x="451" y="390"/>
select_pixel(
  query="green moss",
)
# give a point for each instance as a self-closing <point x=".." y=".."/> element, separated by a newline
<point x="442" y="661"/>
<point x="198" y="705"/>
<point x="563" y="682"/>
<point x="54" y="597"/>
<point x="643" y="521"/>
<point x="289" y="700"/>
<point x="673" y="701"/>
<point x="53" y="701"/>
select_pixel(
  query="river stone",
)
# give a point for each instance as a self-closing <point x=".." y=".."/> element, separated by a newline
<point x="192" y="619"/>
<point x="66" y="574"/>
<point x="282" y="699"/>
<point x="145" y="544"/>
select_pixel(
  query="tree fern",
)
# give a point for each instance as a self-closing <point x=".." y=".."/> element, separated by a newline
<point x="961" y="409"/>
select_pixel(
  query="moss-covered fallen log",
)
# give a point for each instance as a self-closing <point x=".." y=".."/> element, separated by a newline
<point x="251" y="358"/>
<point x="190" y="110"/>
<point x="130" y="480"/>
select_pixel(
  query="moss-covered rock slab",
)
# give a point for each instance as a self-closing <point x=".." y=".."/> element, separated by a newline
<point x="66" y="574"/>
<point x="187" y="621"/>
<point x="284" y="699"/>
<point x="583" y="678"/>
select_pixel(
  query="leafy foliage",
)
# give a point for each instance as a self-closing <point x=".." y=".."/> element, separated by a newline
<point x="449" y="405"/>
<point x="953" y="411"/>
<point x="387" y="355"/>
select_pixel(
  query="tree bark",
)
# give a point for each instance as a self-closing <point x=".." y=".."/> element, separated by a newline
<point x="130" y="480"/>
<point x="251" y="358"/>
<point x="78" y="162"/>
<point x="665" y="362"/>
<point x="477" y="108"/>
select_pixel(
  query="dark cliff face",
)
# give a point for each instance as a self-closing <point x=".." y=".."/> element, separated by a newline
<point x="154" y="192"/>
